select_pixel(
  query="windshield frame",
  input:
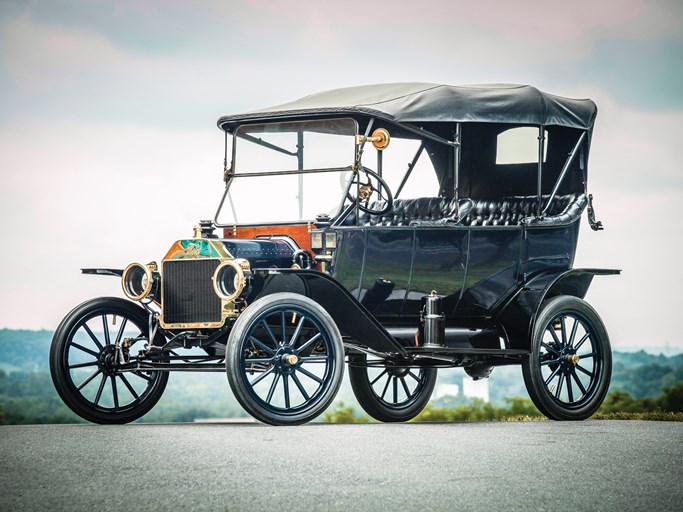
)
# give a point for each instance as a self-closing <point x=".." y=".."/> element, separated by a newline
<point x="231" y="172"/>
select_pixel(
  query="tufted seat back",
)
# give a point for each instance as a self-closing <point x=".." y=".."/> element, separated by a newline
<point x="508" y="211"/>
<point x="407" y="212"/>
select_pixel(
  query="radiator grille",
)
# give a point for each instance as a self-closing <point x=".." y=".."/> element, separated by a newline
<point x="188" y="294"/>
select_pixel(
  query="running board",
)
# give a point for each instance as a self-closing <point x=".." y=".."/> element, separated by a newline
<point x="467" y="351"/>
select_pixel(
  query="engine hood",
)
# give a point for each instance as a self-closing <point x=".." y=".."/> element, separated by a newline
<point x="260" y="253"/>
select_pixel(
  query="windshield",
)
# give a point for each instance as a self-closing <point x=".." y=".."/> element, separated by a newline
<point x="289" y="171"/>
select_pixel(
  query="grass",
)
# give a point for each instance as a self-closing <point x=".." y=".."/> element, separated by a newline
<point x="642" y="416"/>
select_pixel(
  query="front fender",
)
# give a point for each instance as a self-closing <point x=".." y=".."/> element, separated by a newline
<point x="351" y="317"/>
<point x="519" y="315"/>
<point x="115" y="272"/>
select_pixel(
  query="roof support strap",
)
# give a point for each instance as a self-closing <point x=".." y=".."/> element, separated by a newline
<point x="456" y="168"/>
<point x="541" y="151"/>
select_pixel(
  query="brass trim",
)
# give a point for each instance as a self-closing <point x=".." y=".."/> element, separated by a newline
<point x="238" y="266"/>
<point x="291" y="359"/>
<point x="228" y="309"/>
<point x="380" y="138"/>
<point x="148" y="286"/>
<point x="574" y="359"/>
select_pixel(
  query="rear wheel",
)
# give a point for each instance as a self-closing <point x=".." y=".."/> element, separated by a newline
<point x="285" y="359"/>
<point x="388" y="392"/>
<point x="568" y="371"/>
<point x="84" y="355"/>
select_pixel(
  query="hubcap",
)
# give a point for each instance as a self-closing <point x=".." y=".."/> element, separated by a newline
<point x="286" y="360"/>
<point x="290" y="359"/>
<point x="107" y="359"/>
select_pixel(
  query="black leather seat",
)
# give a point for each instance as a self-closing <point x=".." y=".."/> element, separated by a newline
<point x="410" y="212"/>
<point x="508" y="211"/>
<point x="515" y="210"/>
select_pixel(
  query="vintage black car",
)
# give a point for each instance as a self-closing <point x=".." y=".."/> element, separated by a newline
<point x="397" y="228"/>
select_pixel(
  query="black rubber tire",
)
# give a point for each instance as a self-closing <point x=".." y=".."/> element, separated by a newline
<point x="414" y="400"/>
<point x="250" y="324"/>
<point x="148" y="393"/>
<point x="551" y="357"/>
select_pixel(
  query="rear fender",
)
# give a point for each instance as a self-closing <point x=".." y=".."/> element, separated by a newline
<point x="351" y="317"/>
<point x="519" y="315"/>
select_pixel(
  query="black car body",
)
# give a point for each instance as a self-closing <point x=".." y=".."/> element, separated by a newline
<point x="475" y="273"/>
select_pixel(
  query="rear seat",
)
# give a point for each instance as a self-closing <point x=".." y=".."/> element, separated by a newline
<point x="508" y="211"/>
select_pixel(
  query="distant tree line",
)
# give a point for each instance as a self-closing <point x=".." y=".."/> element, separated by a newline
<point x="27" y="394"/>
<point x="668" y="406"/>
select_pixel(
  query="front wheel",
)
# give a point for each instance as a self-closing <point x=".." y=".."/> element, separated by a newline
<point x="285" y="359"/>
<point x="568" y="371"/>
<point x="85" y="354"/>
<point x="389" y="392"/>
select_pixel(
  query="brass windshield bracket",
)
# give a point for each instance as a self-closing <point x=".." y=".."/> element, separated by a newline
<point x="380" y="138"/>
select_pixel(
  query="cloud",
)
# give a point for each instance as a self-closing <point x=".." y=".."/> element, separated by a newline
<point x="148" y="62"/>
<point x="49" y="57"/>
<point x="69" y="73"/>
<point x="635" y="149"/>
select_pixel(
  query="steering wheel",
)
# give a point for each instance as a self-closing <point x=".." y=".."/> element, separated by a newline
<point x="367" y="188"/>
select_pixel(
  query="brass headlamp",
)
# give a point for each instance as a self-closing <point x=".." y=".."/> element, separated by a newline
<point x="229" y="279"/>
<point x="137" y="280"/>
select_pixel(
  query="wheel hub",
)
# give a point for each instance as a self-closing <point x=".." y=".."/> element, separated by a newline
<point x="398" y="372"/>
<point x="106" y="360"/>
<point x="290" y="359"/>
<point x="286" y="360"/>
<point x="569" y="357"/>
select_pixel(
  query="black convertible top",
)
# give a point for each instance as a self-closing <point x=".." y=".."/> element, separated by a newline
<point x="424" y="102"/>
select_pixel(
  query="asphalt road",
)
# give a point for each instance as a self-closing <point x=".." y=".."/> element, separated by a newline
<point x="593" y="465"/>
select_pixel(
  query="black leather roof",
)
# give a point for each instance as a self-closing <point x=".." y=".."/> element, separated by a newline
<point x="424" y="102"/>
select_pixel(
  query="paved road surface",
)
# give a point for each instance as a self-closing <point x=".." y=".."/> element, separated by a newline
<point x="594" y="465"/>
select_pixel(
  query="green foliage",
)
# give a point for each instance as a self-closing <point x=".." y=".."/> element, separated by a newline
<point x="27" y="394"/>
<point x="618" y="405"/>
<point x="622" y="402"/>
<point x="30" y="398"/>
<point x="640" y="358"/>
<point x="646" y="380"/>
<point x="25" y="350"/>
<point x="643" y="416"/>
<point x="341" y="413"/>
<point x="673" y="398"/>
<point x="479" y="410"/>
<point x="639" y="374"/>
<point x="473" y="410"/>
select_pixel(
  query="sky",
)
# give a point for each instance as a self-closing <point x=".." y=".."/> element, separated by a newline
<point x="109" y="149"/>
